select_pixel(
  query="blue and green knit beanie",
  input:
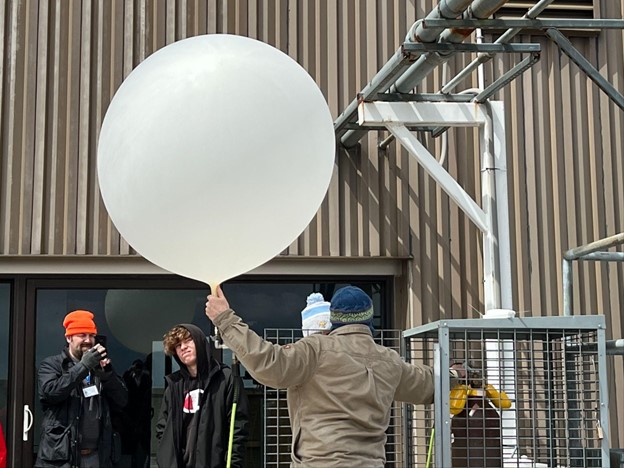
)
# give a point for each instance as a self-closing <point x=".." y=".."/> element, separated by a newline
<point x="351" y="305"/>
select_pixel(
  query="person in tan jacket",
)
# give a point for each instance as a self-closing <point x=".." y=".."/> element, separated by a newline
<point x="340" y="386"/>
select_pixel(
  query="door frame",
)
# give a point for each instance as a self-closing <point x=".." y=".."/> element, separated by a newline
<point x="23" y="384"/>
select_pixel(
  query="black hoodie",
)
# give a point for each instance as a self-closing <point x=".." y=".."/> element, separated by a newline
<point x="209" y="430"/>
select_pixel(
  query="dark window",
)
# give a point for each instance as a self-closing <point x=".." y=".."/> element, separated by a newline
<point x="134" y="321"/>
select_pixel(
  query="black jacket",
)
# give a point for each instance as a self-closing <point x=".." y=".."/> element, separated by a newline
<point x="61" y="398"/>
<point x="218" y="384"/>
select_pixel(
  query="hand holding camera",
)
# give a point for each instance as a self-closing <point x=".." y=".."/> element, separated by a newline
<point x="91" y="359"/>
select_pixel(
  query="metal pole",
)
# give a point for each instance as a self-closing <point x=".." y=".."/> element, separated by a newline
<point x="502" y="204"/>
<point x="611" y="241"/>
<point x="567" y="287"/>
<point x="589" y="251"/>
<point x="491" y="283"/>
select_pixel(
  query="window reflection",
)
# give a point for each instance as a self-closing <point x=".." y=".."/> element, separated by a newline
<point x="134" y="321"/>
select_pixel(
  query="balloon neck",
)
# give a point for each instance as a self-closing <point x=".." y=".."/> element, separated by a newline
<point x="213" y="288"/>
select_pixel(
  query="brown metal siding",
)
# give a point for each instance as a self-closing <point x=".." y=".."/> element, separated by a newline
<point x="60" y="63"/>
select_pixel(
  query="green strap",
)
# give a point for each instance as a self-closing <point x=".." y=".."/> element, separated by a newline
<point x="430" y="448"/>
<point x="235" y="372"/>
<point x="231" y="441"/>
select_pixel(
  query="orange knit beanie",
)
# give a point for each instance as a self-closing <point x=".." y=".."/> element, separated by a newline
<point x="79" y="321"/>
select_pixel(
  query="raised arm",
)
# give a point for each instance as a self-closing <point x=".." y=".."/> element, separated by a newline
<point x="270" y="364"/>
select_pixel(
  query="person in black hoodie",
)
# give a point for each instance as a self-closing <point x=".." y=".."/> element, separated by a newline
<point x="193" y="428"/>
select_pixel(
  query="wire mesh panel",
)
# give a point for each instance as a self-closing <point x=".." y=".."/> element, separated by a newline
<point x="277" y="432"/>
<point x="534" y="394"/>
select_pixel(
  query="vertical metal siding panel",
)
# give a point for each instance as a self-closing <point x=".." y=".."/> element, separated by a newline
<point x="84" y="111"/>
<point x="211" y="18"/>
<point x="58" y="151"/>
<point x="455" y="292"/>
<point x="308" y="59"/>
<point x="315" y="233"/>
<point x="387" y="163"/>
<point x="331" y="244"/>
<point x="415" y="265"/>
<point x="611" y="65"/>
<point x="170" y="21"/>
<point x="596" y="176"/>
<point x="102" y="96"/>
<point x="365" y="31"/>
<point x="97" y="241"/>
<point x="72" y="131"/>
<point x="227" y="17"/>
<point x="40" y="130"/>
<point x="516" y="186"/>
<point x="4" y="179"/>
<point x="557" y="174"/>
<point x="116" y="245"/>
<point x="347" y="164"/>
<point x="546" y="216"/>
<point x="12" y="132"/>
<point x="568" y="161"/>
<point x="371" y="160"/>
<point x="242" y="28"/>
<point x="583" y="197"/>
<point x="159" y="25"/>
<point x="471" y="181"/>
<point x="533" y="200"/>
<point x="181" y="20"/>
<point x="26" y="158"/>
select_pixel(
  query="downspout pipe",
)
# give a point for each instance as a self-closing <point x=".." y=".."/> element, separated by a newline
<point x="579" y="253"/>
<point x="426" y="63"/>
<point x="398" y="64"/>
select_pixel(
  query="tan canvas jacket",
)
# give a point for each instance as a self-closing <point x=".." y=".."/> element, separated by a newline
<point x="340" y="389"/>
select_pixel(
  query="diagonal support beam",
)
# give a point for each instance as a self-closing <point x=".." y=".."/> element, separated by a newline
<point x="566" y="46"/>
<point x="439" y="174"/>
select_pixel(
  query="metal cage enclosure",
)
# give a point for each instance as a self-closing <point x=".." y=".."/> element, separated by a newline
<point x="549" y="371"/>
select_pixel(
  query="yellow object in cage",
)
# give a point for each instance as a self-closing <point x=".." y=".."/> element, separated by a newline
<point x="460" y="393"/>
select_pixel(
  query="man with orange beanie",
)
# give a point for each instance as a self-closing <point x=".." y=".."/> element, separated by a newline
<point x="78" y="388"/>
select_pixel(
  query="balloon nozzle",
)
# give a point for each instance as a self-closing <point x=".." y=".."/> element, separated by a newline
<point x="217" y="340"/>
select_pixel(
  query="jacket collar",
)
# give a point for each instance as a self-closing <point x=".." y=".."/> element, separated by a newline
<point x="355" y="329"/>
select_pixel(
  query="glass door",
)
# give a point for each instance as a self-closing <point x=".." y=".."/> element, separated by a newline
<point x="132" y="315"/>
<point x="130" y="323"/>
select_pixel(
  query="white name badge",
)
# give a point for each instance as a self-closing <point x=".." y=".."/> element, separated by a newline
<point x="90" y="391"/>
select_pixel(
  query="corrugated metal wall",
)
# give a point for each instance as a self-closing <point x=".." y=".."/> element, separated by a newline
<point x="61" y="61"/>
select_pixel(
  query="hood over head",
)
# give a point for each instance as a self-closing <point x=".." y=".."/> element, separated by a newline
<point x="203" y="349"/>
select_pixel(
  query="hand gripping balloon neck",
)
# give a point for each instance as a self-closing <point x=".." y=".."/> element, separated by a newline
<point x="214" y="287"/>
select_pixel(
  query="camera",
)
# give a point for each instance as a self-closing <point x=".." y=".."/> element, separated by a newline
<point x="101" y="340"/>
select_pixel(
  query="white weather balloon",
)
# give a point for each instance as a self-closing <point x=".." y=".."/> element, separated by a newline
<point x="214" y="155"/>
